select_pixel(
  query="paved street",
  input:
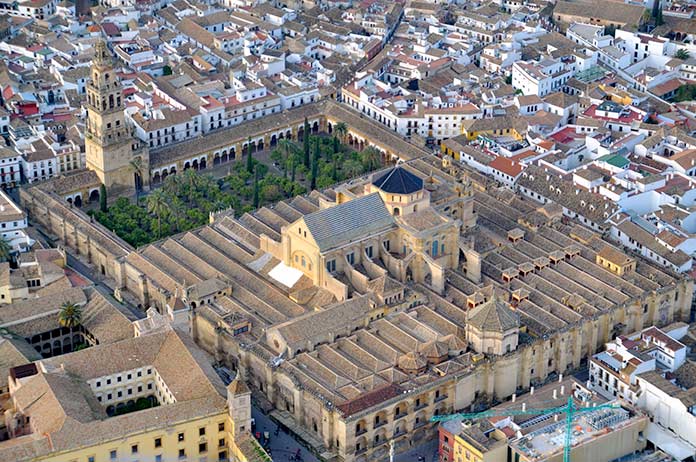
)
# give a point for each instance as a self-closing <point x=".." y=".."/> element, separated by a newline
<point x="283" y="446"/>
<point x="427" y="451"/>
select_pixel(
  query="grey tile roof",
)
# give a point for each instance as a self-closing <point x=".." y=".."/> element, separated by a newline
<point x="349" y="221"/>
<point x="398" y="181"/>
<point x="494" y="316"/>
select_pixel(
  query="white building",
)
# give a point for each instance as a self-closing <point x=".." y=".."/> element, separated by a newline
<point x="37" y="9"/>
<point x="409" y="113"/>
<point x="13" y="222"/>
<point x="10" y="168"/>
<point x="160" y="127"/>
<point x="641" y="45"/>
<point x="589" y="35"/>
<point x="614" y="372"/>
<point x="671" y="405"/>
<point x="540" y="78"/>
<point x="39" y="162"/>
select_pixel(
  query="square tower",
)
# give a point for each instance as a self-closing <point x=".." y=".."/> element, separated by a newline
<point x="120" y="160"/>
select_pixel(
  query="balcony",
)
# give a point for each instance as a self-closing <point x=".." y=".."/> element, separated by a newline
<point x="380" y="424"/>
<point x="420" y="406"/>
<point x="379" y="443"/>
<point x="360" y="431"/>
<point x="440" y="398"/>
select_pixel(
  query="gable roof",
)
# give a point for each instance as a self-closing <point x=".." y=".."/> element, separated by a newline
<point x="398" y="181"/>
<point x="349" y="221"/>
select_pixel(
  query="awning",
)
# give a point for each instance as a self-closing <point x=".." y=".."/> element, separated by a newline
<point x="669" y="443"/>
<point x="285" y="275"/>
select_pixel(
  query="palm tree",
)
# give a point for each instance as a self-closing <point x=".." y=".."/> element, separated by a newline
<point x="5" y="249"/>
<point x="682" y="54"/>
<point x="352" y="168"/>
<point x="287" y="147"/>
<point x="191" y="179"/>
<point x="157" y="204"/>
<point x="70" y="315"/>
<point x="371" y="158"/>
<point x="341" y="130"/>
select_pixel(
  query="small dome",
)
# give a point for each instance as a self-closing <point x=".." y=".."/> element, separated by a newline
<point x="494" y="316"/>
<point x="412" y="362"/>
<point x="398" y="181"/>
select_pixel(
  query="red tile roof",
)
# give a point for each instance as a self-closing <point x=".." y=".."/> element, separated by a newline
<point x="507" y="166"/>
<point x="369" y="399"/>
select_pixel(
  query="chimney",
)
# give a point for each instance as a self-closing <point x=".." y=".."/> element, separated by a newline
<point x="524" y="406"/>
<point x="531" y="390"/>
<point x="560" y="378"/>
<point x="562" y="390"/>
<point x="555" y="394"/>
<point x="514" y="397"/>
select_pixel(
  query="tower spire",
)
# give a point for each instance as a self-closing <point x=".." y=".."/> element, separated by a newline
<point x="102" y="55"/>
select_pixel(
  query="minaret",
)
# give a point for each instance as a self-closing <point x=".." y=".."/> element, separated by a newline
<point x="111" y="149"/>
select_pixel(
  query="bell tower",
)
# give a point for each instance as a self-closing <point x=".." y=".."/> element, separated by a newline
<point x="120" y="160"/>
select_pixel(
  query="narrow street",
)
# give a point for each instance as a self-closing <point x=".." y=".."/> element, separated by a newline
<point x="283" y="446"/>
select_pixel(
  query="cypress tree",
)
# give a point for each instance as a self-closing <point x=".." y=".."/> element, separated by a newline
<point x="249" y="161"/>
<point x="315" y="164"/>
<point x="256" y="188"/>
<point x="305" y="140"/>
<point x="102" y="198"/>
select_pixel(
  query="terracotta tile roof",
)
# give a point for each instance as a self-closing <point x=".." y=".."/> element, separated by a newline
<point x="367" y="400"/>
<point x="506" y="166"/>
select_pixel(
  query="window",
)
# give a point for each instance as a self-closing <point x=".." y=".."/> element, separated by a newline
<point x="221" y="443"/>
<point x="134" y="449"/>
<point x="201" y="431"/>
<point x="158" y="458"/>
<point x="221" y="426"/>
<point x="182" y="453"/>
<point x="90" y="459"/>
<point x="113" y="454"/>
<point x="202" y="448"/>
<point x="158" y="442"/>
<point x="222" y="455"/>
<point x="180" y="437"/>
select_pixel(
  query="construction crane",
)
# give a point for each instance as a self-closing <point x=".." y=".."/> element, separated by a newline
<point x="569" y="409"/>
